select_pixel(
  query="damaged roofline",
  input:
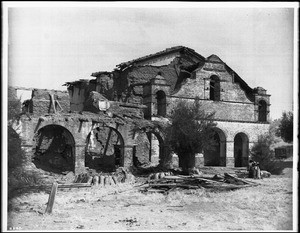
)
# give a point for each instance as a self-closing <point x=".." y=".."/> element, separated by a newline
<point x="124" y="65"/>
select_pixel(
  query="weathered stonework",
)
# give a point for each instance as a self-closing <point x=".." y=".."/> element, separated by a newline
<point x="101" y="115"/>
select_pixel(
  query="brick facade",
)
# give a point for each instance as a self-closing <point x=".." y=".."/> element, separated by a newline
<point x="149" y="88"/>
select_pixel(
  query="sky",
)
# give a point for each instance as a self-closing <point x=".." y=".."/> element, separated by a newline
<point x="51" y="45"/>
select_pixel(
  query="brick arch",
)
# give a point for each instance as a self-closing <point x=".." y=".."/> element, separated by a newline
<point x="222" y="131"/>
<point x="45" y="122"/>
<point x="241" y="132"/>
<point x="217" y="156"/>
<point x="214" y="88"/>
<point x="161" y="145"/>
<point x="104" y="145"/>
<point x="241" y="149"/>
<point x="54" y="148"/>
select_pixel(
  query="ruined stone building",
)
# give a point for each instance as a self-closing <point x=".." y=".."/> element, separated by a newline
<point x="96" y="119"/>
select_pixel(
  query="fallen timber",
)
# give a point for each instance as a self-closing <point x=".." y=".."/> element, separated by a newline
<point x="168" y="183"/>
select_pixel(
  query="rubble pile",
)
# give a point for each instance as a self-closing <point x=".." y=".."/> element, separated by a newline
<point x="165" y="182"/>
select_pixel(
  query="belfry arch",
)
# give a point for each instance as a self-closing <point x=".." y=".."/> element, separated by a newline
<point x="161" y="103"/>
<point x="262" y="111"/>
<point x="214" y="88"/>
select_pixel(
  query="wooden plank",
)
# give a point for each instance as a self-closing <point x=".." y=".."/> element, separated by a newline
<point x="208" y="180"/>
<point x="56" y="101"/>
<point x="179" y="178"/>
<point x="51" y="198"/>
<point x="238" y="179"/>
<point x="174" y="185"/>
<point x="74" y="185"/>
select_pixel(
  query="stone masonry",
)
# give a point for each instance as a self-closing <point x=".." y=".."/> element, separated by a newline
<point x="99" y="116"/>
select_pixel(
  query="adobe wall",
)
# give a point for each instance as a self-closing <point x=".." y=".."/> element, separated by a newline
<point x="27" y="128"/>
<point x="40" y="102"/>
<point x="223" y="110"/>
<point x="234" y="103"/>
<point x="161" y="60"/>
<point x="231" y="129"/>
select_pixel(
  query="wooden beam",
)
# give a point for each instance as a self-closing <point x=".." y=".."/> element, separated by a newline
<point x="52" y="102"/>
<point x="75" y="185"/>
<point x="107" y="141"/>
<point x="56" y="101"/>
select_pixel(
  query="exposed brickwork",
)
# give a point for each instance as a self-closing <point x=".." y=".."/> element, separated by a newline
<point x="149" y="87"/>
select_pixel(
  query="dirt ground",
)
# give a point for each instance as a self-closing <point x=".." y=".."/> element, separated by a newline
<point x="268" y="206"/>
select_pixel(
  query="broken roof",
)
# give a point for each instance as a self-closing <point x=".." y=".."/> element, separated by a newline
<point x="163" y="52"/>
<point x="74" y="83"/>
<point x="96" y="74"/>
<point x="214" y="58"/>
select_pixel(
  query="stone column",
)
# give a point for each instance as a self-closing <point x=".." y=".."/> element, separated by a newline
<point x="230" y="154"/>
<point x="128" y="156"/>
<point x="29" y="151"/>
<point x="79" y="159"/>
<point x="156" y="150"/>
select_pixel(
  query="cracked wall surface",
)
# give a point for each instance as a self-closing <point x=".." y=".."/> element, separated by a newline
<point x="101" y="112"/>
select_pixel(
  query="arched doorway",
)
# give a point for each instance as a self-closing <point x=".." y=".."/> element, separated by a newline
<point x="54" y="149"/>
<point x="104" y="149"/>
<point x="262" y="111"/>
<point x="214" y="90"/>
<point x="216" y="155"/>
<point x="161" y="103"/>
<point x="241" y="150"/>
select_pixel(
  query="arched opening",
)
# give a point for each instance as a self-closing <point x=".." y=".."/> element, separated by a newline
<point x="214" y="90"/>
<point x="161" y="103"/>
<point x="149" y="149"/>
<point x="104" y="149"/>
<point x="262" y="111"/>
<point x="54" y="149"/>
<point x="241" y="150"/>
<point x="216" y="155"/>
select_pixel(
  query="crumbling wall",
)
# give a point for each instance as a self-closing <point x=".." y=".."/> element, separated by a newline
<point x="79" y="92"/>
<point x="104" y="85"/>
<point x="142" y="150"/>
<point x="95" y="103"/>
<point x="104" y="147"/>
<point x="41" y="102"/>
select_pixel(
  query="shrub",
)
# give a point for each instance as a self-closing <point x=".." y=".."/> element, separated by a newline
<point x="262" y="153"/>
<point x="286" y="127"/>
<point x="16" y="156"/>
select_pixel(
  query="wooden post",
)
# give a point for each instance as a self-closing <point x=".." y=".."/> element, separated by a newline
<point x="51" y="198"/>
<point x="56" y="101"/>
<point x="52" y="102"/>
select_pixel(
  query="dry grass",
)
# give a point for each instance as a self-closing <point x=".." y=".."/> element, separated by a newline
<point x="264" y="207"/>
